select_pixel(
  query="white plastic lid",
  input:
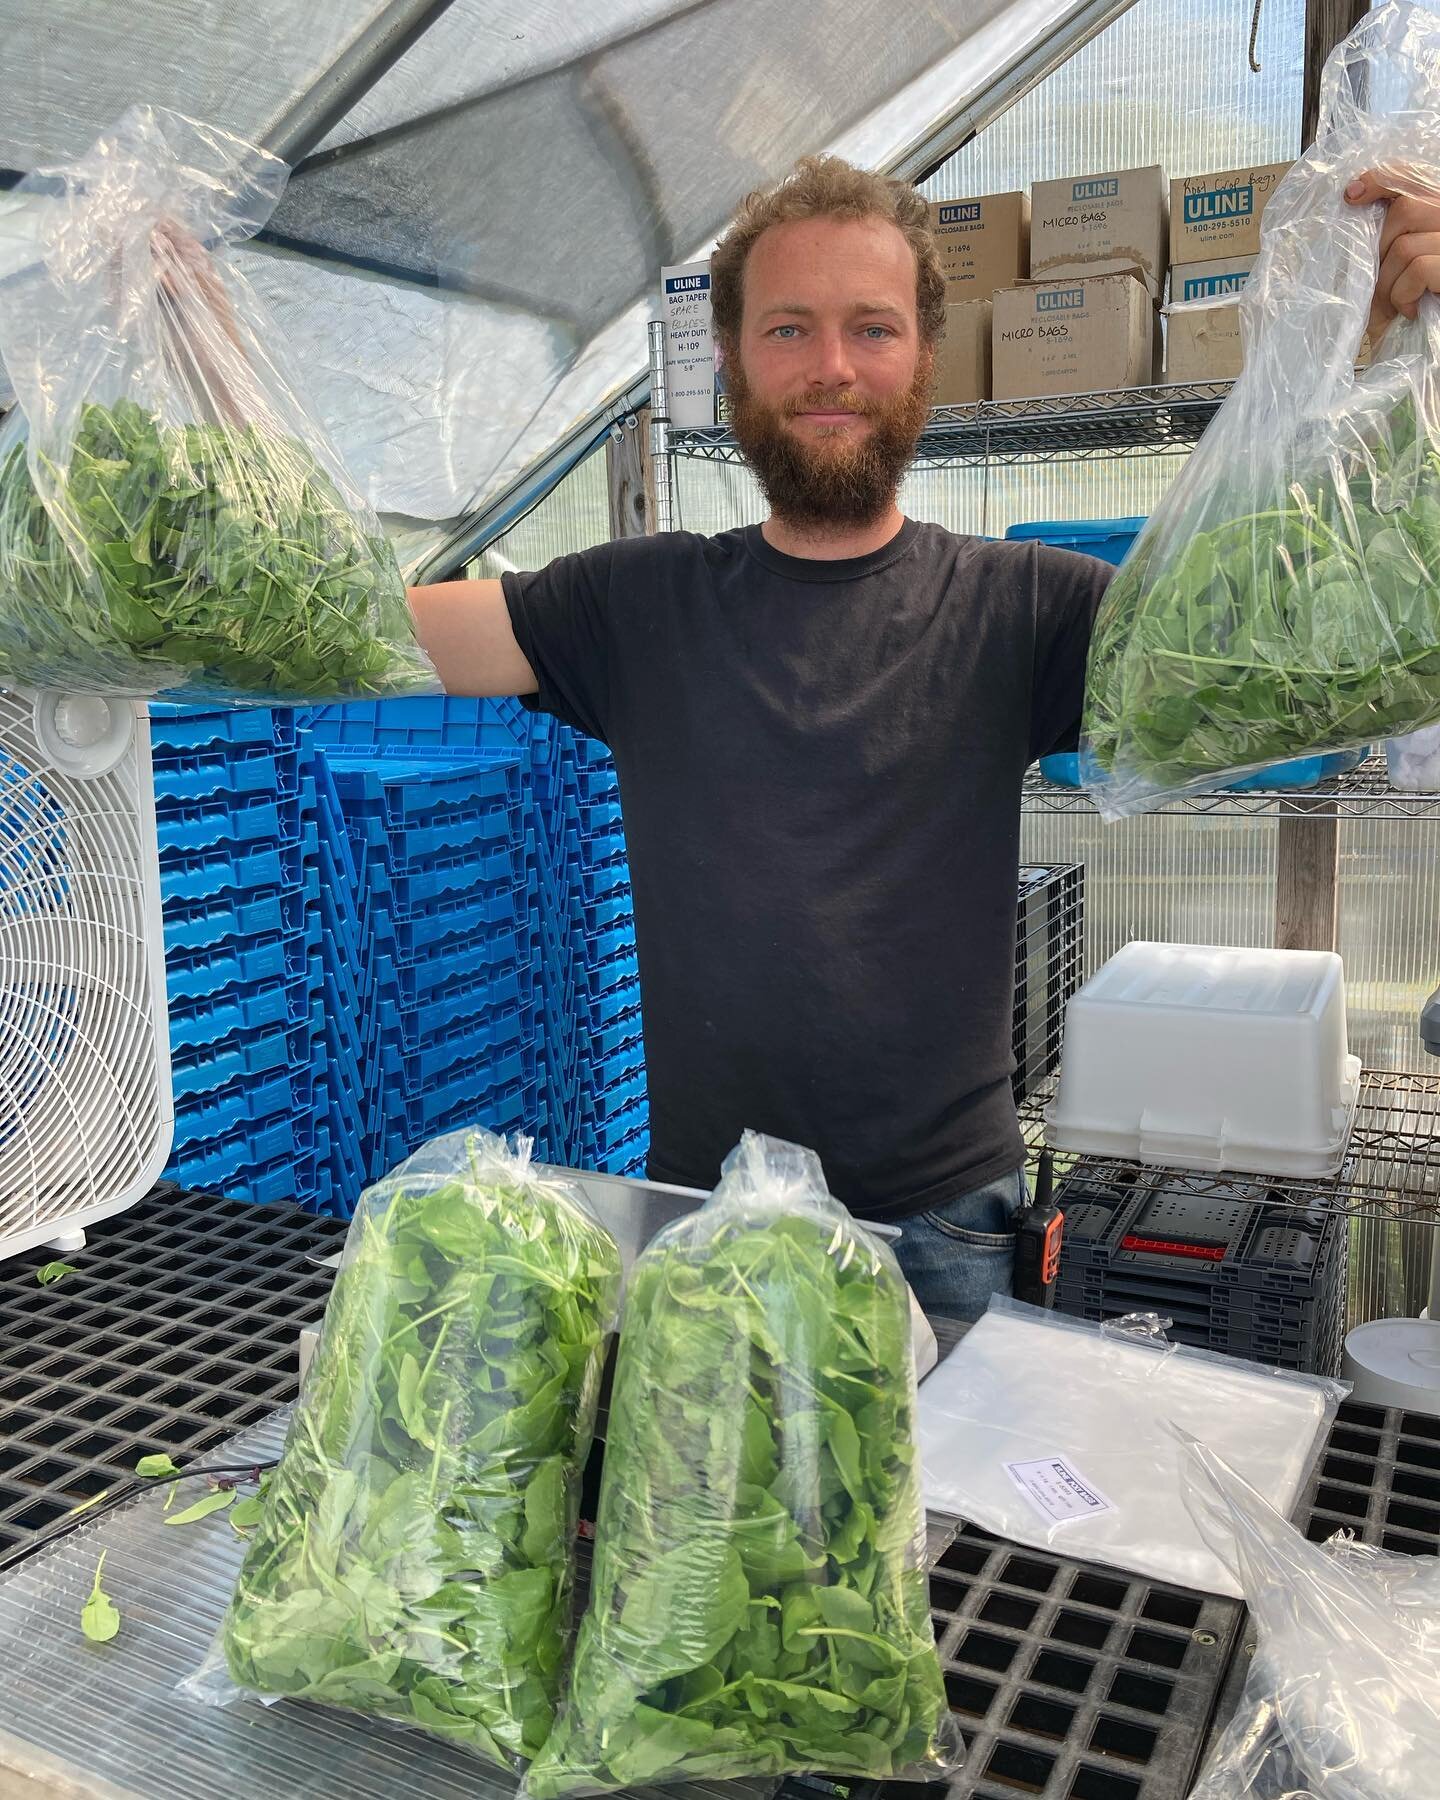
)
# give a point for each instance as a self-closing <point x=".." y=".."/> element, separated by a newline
<point x="1396" y="1362"/>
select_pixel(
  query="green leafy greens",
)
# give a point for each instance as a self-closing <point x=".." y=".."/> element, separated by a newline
<point x="99" y="1617"/>
<point x="155" y="1467"/>
<point x="1311" y="625"/>
<point x="215" y="1501"/>
<point x="414" y="1555"/>
<point x="757" y="1604"/>
<point x="197" y="560"/>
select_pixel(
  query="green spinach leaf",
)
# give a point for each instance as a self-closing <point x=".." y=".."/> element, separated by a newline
<point x="100" y="1617"/>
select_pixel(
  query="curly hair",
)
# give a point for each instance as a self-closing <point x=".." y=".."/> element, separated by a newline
<point x="827" y="187"/>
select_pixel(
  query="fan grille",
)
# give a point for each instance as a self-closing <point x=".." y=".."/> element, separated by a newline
<point x="85" y="1116"/>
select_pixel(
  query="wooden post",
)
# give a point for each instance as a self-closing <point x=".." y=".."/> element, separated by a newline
<point x="629" y="478"/>
<point x="1307" y="880"/>
<point x="1327" y="22"/>
<point x="1307" y="850"/>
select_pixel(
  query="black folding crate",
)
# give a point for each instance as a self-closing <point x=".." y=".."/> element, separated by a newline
<point x="1236" y="1265"/>
<point x="1049" y="958"/>
<point x="177" y="1329"/>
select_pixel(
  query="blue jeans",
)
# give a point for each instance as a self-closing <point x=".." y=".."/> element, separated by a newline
<point x="960" y="1253"/>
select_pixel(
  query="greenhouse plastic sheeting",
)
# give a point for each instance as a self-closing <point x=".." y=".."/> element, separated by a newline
<point x="107" y="1719"/>
<point x="464" y="266"/>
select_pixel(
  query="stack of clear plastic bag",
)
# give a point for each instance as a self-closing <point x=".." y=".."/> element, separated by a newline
<point x="172" y="519"/>
<point x="759" y="1602"/>
<point x="1100" y="1478"/>
<point x="1282" y="599"/>
<point x="1342" y="1700"/>
<point x="414" y="1554"/>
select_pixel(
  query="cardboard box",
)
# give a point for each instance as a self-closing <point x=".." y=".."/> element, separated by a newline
<point x="984" y="244"/>
<point x="1202" y="343"/>
<point x="1073" y="337"/>
<point x="689" y="343"/>
<point x="1219" y="214"/>
<point x="1215" y="280"/>
<point x="1101" y="224"/>
<point x="962" y="363"/>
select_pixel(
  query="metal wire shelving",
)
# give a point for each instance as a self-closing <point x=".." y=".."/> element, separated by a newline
<point x="1392" y="1170"/>
<point x="1149" y="421"/>
<point x="1364" y="792"/>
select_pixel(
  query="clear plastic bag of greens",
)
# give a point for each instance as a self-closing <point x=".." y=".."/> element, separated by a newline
<point x="172" y="517"/>
<point x="1282" y="599"/>
<point x="759" y="1602"/>
<point x="414" y="1554"/>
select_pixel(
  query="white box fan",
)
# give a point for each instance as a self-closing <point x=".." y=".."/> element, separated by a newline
<point x="86" y="1110"/>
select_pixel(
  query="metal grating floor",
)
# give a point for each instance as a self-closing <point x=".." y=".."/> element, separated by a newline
<point x="176" y="1330"/>
<point x="1074" y="1682"/>
<point x="1380" y="1478"/>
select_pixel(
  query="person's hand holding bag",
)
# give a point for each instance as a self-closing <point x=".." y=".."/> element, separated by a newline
<point x="1409" y="241"/>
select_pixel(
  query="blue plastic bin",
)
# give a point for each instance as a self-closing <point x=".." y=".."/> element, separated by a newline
<point x="1300" y="772"/>
<point x="1109" y="539"/>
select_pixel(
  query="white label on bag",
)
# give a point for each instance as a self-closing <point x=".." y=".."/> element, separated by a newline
<point x="1056" y="1489"/>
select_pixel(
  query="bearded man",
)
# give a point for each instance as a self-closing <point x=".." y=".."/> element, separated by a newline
<point x="821" y="725"/>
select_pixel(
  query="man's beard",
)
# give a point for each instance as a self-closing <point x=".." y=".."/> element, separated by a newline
<point x="828" y="481"/>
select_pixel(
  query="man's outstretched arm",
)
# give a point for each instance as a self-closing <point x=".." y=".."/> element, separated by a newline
<point x="464" y="627"/>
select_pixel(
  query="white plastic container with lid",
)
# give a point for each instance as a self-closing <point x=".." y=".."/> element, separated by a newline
<point x="1199" y="1057"/>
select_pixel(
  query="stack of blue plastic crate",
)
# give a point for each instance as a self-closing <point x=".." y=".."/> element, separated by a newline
<point x="384" y="920"/>
<point x="237" y="876"/>
<point x="346" y="976"/>
<point x="443" y="857"/>
<point x="584" y="1075"/>
<point x="612" y="1111"/>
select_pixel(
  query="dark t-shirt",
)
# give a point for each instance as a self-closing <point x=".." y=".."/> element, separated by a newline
<point x="820" y="765"/>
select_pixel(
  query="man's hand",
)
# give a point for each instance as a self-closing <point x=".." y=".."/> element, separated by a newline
<point x="203" y="340"/>
<point x="184" y="269"/>
<point x="1409" y="248"/>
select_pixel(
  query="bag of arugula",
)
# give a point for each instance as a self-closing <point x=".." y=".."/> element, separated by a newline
<point x="758" y="1600"/>
<point x="414" y="1556"/>
<point x="1284" y="597"/>
<point x="172" y="519"/>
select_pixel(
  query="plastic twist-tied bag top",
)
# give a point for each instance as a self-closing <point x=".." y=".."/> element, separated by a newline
<point x="759" y="1602"/>
<point x="415" y="1552"/>
<point x="172" y="518"/>
<point x="1282" y="600"/>
<point x="1342" y="1699"/>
